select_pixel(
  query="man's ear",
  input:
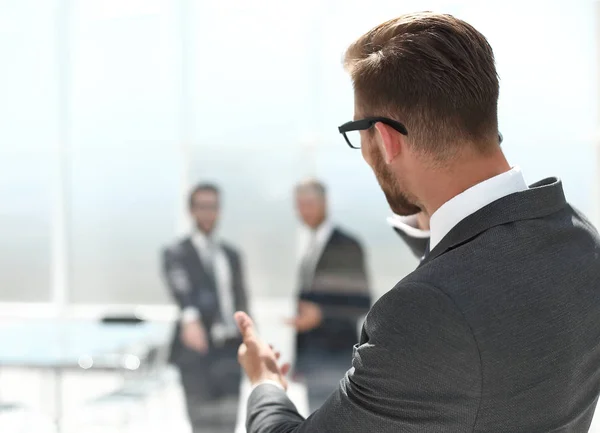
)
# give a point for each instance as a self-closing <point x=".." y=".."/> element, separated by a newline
<point x="391" y="141"/>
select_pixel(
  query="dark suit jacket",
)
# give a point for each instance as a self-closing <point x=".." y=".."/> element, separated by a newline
<point x="340" y="287"/>
<point x="498" y="330"/>
<point x="192" y="286"/>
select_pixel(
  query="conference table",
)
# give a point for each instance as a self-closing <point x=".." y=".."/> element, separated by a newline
<point x="61" y="345"/>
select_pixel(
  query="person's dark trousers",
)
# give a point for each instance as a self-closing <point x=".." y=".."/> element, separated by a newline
<point x="321" y="372"/>
<point x="211" y="385"/>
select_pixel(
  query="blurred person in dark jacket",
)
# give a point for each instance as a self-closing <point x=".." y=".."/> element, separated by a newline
<point x="333" y="295"/>
<point x="204" y="275"/>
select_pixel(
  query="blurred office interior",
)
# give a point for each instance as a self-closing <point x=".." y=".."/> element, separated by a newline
<point x="111" y="110"/>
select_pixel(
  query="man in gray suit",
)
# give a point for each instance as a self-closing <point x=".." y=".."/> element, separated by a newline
<point x="498" y="328"/>
<point x="205" y="277"/>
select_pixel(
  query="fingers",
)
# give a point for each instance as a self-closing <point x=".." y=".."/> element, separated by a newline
<point x="277" y="353"/>
<point x="242" y="350"/>
<point x="284" y="370"/>
<point x="245" y="325"/>
<point x="284" y="383"/>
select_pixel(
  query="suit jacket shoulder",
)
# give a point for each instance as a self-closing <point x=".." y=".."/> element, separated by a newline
<point x="179" y="247"/>
<point x="342" y="237"/>
<point x="583" y="219"/>
<point x="528" y="290"/>
<point x="231" y="251"/>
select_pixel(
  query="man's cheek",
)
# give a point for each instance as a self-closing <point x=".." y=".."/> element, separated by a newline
<point x="366" y="156"/>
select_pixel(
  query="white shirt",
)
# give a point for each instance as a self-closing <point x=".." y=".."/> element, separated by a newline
<point x="216" y="259"/>
<point x="312" y="243"/>
<point x="461" y="206"/>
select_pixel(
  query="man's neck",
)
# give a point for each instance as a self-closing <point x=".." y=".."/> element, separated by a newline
<point x="203" y="233"/>
<point x="442" y="184"/>
<point x="318" y="226"/>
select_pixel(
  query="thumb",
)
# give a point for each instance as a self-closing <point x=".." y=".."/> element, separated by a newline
<point x="285" y="368"/>
<point x="245" y="325"/>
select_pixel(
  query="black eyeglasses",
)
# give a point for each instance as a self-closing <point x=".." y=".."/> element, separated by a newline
<point x="351" y="130"/>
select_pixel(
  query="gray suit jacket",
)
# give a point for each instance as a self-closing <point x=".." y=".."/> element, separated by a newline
<point x="191" y="285"/>
<point x="498" y="330"/>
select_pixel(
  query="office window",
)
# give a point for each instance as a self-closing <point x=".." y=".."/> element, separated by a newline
<point x="258" y="209"/>
<point x="126" y="167"/>
<point x="123" y="211"/>
<point x="28" y="139"/>
<point x="251" y="69"/>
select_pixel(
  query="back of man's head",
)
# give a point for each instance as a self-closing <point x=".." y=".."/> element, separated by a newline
<point x="436" y="75"/>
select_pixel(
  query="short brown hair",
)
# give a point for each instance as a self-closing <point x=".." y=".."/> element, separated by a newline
<point x="203" y="187"/>
<point x="435" y="74"/>
<point x="312" y="185"/>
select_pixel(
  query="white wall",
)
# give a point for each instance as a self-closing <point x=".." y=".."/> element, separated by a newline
<point x="163" y="93"/>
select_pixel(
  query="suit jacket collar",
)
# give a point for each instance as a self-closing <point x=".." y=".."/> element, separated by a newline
<point x="541" y="199"/>
<point x="194" y="255"/>
<point x="470" y="201"/>
<point x="333" y="237"/>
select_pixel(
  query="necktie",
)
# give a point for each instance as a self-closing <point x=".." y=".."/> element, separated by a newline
<point x="223" y="326"/>
<point x="209" y="257"/>
<point x="307" y="266"/>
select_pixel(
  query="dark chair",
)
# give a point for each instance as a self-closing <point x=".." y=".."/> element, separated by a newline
<point x="123" y="319"/>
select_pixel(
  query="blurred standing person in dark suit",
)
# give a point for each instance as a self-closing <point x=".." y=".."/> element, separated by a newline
<point x="333" y="295"/>
<point x="205" y="277"/>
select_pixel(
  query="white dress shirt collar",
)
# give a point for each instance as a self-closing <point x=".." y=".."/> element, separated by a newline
<point x="409" y="225"/>
<point x="323" y="232"/>
<point x="312" y="244"/>
<point x="473" y="199"/>
<point x="201" y="239"/>
<point x="313" y="241"/>
<point x="218" y="261"/>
